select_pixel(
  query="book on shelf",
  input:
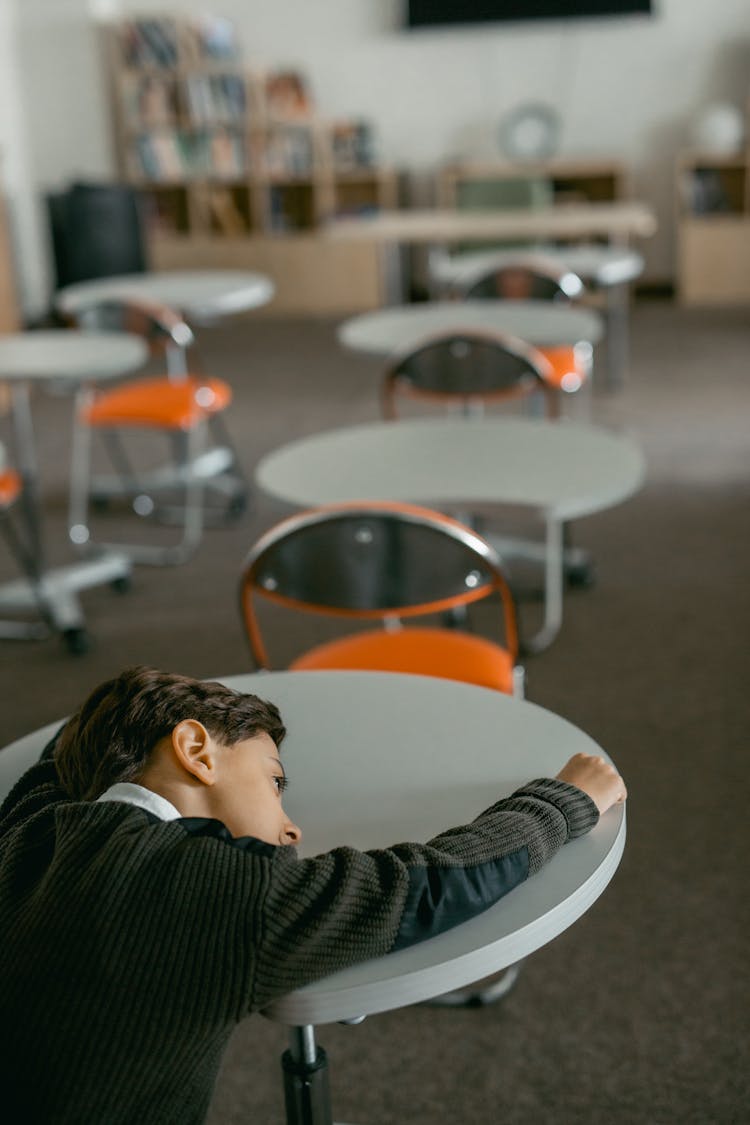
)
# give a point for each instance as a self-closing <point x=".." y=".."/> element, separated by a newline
<point x="353" y="145"/>
<point x="215" y="98"/>
<point x="149" y="42"/>
<point x="285" y="151"/>
<point x="149" y="100"/>
<point x="287" y="95"/>
<point x="226" y="154"/>
<point x="226" y="214"/>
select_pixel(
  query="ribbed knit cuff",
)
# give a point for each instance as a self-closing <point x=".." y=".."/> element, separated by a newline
<point x="580" y="812"/>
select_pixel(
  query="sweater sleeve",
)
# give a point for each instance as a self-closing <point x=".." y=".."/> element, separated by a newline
<point x="325" y="913"/>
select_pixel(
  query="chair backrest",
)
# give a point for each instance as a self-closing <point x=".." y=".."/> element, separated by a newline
<point x="467" y="365"/>
<point x="97" y="231"/>
<point x="526" y="279"/>
<point x="374" y="560"/>
<point x="163" y="329"/>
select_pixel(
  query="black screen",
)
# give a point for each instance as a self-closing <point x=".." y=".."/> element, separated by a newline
<point x="422" y="13"/>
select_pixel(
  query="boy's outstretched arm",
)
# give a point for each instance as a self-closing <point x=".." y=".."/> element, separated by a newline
<point x="330" y="911"/>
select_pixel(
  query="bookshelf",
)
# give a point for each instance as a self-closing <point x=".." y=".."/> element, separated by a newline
<point x="713" y="228"/>
<point x="235" y="168"/>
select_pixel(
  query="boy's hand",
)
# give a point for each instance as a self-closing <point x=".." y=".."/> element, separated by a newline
<point x="596" y="777"/>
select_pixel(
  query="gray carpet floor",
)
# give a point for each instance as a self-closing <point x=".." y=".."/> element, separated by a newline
<point x="639" y="1012"/>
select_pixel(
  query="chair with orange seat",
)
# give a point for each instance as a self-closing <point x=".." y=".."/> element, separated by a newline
<point x="186" y="407"/>
<point x="390" y="563"/>
<point x="11" y="489"/>
<point x="535" y="278"/>
<point x="472" y="367"/>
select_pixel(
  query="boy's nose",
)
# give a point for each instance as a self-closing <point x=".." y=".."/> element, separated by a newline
<point x="291" y="834"/>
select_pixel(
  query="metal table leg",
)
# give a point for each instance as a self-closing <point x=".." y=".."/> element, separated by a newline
<point x="307" y="1095"/>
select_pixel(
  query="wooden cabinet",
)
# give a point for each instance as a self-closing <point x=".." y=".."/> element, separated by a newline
<point x="713" y="229"/>
<point x="547" y="182"/>
<point x="235" y="168"/>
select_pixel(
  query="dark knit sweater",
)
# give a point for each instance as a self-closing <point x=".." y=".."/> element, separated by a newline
<point x="130" y="946"/>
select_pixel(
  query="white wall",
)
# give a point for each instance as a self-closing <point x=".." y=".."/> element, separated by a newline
<point x="625" y="87"/>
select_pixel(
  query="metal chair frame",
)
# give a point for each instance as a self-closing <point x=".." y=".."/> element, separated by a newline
<point x="353" y="561"/>
<point x="198" y="462"/>
<point x="516" y="371"/>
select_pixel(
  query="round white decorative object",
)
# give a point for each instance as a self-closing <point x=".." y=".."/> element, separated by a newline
<point x="719" y="129"/>
<point x="530" y="132"/>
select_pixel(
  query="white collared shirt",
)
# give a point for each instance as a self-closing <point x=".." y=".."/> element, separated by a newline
<point x="132" y="794"/>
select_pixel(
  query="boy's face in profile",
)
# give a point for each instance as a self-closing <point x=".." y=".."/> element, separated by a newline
<point x="248" y="790"/>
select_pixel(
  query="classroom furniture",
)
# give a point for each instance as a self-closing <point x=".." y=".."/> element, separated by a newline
<point x="400" y="327"/>
<point x="203" y="296"/>
<point x="97" y="231"/>
<point x="537" y="279"/>
<point x="379" y="758"/>
<point x="604" y="269"/>
<point x="712" y="206"/>
<point x="183" y="406"/>
<point x="471" y="368"/>
<point x="11" y="489"/>
<point x="559" y="472"/>
<point x="566" y="180"/>
<point x="385" y="563"/>
<point x="72" y="360"/>
<point x="10" y="317"/>
<point x="235" y="166"/>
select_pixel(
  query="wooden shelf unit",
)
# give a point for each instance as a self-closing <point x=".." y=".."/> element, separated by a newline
<point x="226" y="179"/>
<point x="713" y="228"/>
<point x="569" y="179"/>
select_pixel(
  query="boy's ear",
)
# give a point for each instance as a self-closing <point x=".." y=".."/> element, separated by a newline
<point x="194" y="750"/>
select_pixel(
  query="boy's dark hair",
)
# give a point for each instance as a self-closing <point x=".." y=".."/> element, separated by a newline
<point x="110" y="737"/>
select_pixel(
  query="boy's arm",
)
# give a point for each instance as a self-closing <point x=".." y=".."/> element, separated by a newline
<point x="322" y="914"/>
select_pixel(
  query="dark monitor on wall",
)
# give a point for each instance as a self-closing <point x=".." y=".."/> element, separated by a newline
<point x="433" y="13"/>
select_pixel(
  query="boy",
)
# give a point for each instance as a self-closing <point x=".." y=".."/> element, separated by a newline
<point x="149" y="900"/>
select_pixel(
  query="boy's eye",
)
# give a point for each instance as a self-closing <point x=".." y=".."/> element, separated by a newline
<point x="281" y="782"/>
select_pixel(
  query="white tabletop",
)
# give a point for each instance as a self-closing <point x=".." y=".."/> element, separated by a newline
<point x="57" y="354"/>
<point x="567" y="469"/>
<point x="540" y="323"/>
<point x="573" y="220"/>
<point x="598" y="264"/>
<point x="202" y="295"/>
<point x="352" y="783"/>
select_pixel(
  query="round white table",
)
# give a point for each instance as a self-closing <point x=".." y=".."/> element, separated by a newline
<point x="203" y="296"/>
<point x="353" y="784"/>
<point x="67" y="359"/>
<point x="398" y="328"/>
<point x="562" y="470"/>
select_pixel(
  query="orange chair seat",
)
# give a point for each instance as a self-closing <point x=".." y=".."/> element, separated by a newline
<point x="10" y="487"/>
<point x="160" y="403"/>
<point x="569" y="371"/>
<point x="427" y="652"/>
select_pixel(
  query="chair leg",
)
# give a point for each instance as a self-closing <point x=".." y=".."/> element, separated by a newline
<point x="190" y="448"/>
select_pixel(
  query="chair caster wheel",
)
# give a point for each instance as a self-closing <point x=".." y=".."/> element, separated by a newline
<point x="123" y="584"/>
<point x="580" y="576"/>
<point x="76" y="641"/>
<point x="100" y="504"/>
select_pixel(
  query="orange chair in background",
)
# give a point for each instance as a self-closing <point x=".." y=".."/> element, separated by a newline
<point x="187" y="407"/>
<point x="534" y="278"/>
<point x="471" y="367"/>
